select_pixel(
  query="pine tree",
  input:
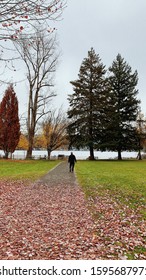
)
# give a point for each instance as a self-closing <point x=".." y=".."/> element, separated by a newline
<point x="9" y="122"/>
<point x="86" y="104"/>
<point x="122" y="108"/>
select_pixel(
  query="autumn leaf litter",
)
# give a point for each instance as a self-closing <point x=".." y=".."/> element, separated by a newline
<point x="41" y="222"/>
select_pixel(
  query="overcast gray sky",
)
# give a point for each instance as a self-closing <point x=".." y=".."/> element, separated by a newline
<point x="110" y="27"/>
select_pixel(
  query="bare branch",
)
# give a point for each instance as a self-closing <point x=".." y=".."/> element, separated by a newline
<point x="39" y="56"/>
<point x="54" y="129"/>
<point x="19" y="16"/>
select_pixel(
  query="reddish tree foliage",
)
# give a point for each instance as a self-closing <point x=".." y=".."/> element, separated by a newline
<point x="17" y="15"/>
<point x="9" y="122"/>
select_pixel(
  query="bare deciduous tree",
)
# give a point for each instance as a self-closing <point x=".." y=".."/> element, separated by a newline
<point x="40" y="58"/>
<point x="54" y="130"/>
<point x="19" y="17"/>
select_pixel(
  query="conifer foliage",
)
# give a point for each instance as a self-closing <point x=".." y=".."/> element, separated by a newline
<point x="122" y="108"/>
<point x="9" y="122"/>
<point x="103" y="109"/>
<point x="86" y="103"/>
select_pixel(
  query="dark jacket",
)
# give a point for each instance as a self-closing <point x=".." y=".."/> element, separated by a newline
<point x="72" y="158"/>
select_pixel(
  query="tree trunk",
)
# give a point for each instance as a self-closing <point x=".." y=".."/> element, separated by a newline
<point x="30" y="143"/>
<point x="49" y="154"/>
<point x="139" y="155"/>
<point x="6" y="155"/>
<point x="29" y="152"/>
<point x="119" y="155"/>
<point x="91" y="153"/>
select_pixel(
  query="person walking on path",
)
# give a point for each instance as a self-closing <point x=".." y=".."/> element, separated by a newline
<point x="71" y="160"/>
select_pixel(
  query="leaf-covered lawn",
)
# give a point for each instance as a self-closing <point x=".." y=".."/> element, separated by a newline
<point x="116" y="192"/>
<point x="38" y="222"/>
<point x="125" y="181"/>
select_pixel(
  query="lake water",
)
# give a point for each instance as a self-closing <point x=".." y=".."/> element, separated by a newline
<point x="79" y="154"/>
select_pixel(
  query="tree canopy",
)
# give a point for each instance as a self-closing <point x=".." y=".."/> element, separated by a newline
<point x="86" y="103"/>
<point x="9" y="122"/>
<point x="121" y="109"/>
<point x="103" y="109"/>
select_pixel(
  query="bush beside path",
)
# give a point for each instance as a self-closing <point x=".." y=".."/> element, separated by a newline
<point x="50" y="219"/>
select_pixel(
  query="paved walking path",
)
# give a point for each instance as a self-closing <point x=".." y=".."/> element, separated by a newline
<point x="59" y="175"/>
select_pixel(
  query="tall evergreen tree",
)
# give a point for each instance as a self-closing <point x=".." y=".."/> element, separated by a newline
<point x="122" y="108"/>
<point x="86" y="103"/>
<point x="9" y="122"/>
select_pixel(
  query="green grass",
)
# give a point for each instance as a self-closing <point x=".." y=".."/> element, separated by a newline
<point x="137" y="250"/>
<point x="122" y="181"/>
<point x="125" y="180"/>
<point x="25" y="169"/>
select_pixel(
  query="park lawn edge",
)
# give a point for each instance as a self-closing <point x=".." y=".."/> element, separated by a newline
<point x="25" y="169"/>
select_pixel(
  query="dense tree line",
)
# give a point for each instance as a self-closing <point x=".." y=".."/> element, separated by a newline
<point x="104" y="106"/>
<point x="103" y="114"/>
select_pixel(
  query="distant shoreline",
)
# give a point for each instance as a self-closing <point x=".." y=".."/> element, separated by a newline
<point x="21" y="154"/>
